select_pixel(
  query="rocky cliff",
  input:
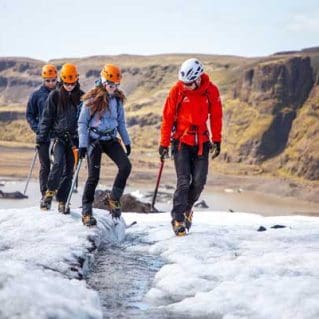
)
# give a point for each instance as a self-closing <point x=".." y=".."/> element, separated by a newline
<point x="17" y="77"/>
<point x="276" y="90"/>
<point x="301" y="156"/>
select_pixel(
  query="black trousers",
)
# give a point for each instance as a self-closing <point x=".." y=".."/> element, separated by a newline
<point x="60" y="177"/>
<point x="115" y="152"/>
<point x="191" y="170"/>
<point x="44" y="158"/>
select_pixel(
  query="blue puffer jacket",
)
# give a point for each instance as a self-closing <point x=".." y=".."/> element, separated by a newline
<point x="113" y="119"/>
<point x="35" y="107"/>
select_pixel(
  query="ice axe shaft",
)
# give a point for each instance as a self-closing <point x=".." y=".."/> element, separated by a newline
<point x="75" y="176"/>
<point x="30" y="171"/>
<point x="157" y="183"/>
<point x="76" y="160"/>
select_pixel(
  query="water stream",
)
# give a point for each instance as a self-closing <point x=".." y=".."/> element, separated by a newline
<point x="122" y="276"/>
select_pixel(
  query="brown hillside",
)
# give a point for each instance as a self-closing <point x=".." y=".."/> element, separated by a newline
<point x="270" y="103"/>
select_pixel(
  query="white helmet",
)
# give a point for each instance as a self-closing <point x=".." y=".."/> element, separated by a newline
<point x="190" y="70"/>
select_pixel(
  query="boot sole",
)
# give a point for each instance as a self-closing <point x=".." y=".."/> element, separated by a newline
<point x="45" y="208"/>
<point x="64" y="212"/>
<point x="89" y="225"/>
<point x="180" y="234"/>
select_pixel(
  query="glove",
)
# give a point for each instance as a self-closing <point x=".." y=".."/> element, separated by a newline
<point x="163" y="151"/>
<point x="215" y="149"/>
<point x="128" y="149"/>
<point x="82" y="152"/>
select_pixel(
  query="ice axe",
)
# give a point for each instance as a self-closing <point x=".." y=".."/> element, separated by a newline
<point x="75" y="176"/>
<point x="153" y="209"/>
<point x="30" y="171"/>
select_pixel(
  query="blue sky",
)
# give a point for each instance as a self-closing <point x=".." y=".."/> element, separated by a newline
<point x="65" y="28"/>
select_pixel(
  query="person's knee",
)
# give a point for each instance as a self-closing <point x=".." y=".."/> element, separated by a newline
<point x="46" y="166"/>
<point x="183" y="182"/>
<point x="57" y="169"/>
<point x="199" y="186"/>
<point x="93" y="180"/>
<point x="199" y="181"/>
<point x="129" y="167"/>
<point x="125" y="169"/>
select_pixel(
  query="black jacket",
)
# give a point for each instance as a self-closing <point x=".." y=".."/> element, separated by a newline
<point x="61" y="123"/>
<point x="35" y="107"/>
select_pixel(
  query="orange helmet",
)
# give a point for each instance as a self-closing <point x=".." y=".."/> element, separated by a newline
<point x="49" y="71"/>
<point x="69" y="73"/>
<point x="111" y="73"/>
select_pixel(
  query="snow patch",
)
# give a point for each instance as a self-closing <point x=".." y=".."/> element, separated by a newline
<point x="226" y="269"/>
<point x="42" y="256"/>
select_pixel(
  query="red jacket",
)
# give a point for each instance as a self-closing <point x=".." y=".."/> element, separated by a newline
<point x="187" y="111"/>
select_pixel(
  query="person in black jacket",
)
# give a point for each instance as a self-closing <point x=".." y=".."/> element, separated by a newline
<point x="34" y="115"/>
<point x="60" y="116"/>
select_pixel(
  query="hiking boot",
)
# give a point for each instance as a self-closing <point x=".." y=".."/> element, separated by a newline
<point x="179" y="228"/>
<point x="113" y="206"/>
<point x="88" y="220"/>
<point x="188" y="219"/>
<point x="63" y="209"/>
<point x="42" y="204"/>
<point x="47" y="200"/>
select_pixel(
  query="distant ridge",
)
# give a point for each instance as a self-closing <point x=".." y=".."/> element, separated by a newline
<point x="270" y="104"/>
<point x="306" y="50"/>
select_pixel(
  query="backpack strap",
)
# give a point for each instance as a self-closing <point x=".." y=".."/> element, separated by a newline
<point x="179" y="103"/>
<point x="181" y="97"/>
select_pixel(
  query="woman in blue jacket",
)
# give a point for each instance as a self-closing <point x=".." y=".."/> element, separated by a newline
<point x="101" y="118"/>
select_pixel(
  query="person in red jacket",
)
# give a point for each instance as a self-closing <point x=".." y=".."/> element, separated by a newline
<point x="192" y="102"/>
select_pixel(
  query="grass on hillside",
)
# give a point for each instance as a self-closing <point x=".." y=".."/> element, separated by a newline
<point x="16" y="131"/>
<point x="243" y="122"/>
<point x="13" y="108"/>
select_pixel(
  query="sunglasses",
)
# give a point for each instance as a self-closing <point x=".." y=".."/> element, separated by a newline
<point x="111" y="85"/>
<point x="189" y="84"/>
<point x="50" y="80"/>
<point x="69" y="84"/>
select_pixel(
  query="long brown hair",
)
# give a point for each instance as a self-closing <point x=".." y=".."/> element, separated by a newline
<point x="97" y="98"/>
<point x="65" y="97"/>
